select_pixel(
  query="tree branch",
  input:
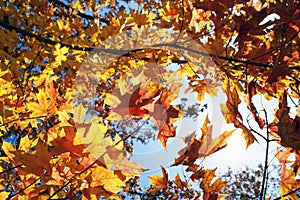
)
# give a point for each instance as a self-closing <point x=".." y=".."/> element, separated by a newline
<point x="11" y="169"/>
<point x="24" y="188"/>
<point x="127" y="52"/>
<point x="279" y="47"/>
<point x="21" y="119"/>
<point x="265" y="178"/>
<point x="80" y="14"/>
<point x="287" y="194"/>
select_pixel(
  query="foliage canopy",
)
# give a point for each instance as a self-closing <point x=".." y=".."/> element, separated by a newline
<point x="73" y="78"/>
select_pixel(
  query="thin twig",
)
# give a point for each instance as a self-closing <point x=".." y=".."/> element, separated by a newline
<point x="287" y="194"/>
<point x="24" y="188"/>
<point x="181" y="26"/>
<point x="80" y="14"/>
<point x="279" y="47"/>
<point x="256" y="132"/>
<point x="265" y="177"/>
<point x="11" y="169"/>
<point x="4" y="124"/>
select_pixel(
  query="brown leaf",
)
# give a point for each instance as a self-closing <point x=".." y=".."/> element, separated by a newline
<point x="203" y="147"/>
<point x="252" y="91"/>
<point x="232" y="115"/>
<point x="181" y="184"/>
<point x="209" y="145"/>
<point x="210" y="188"/>
<point x="65" y="144"/>
<point x="286" y="128"/>
<point x="37" y="162"/>
<point x="189" y="154"/>
<point x="278" y="73"/>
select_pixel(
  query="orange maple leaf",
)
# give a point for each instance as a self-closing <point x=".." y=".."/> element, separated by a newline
<point x="210" y="188"/>
<point x="205" y="146"/>
<point x="232" y="115"/>
<point x="159" y="182"/>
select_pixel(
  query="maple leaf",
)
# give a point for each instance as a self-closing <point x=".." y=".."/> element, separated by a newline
<point x="4" y="194"/>
<point x="278" y="73"/>
<point x="288" y="182"/>
<point x="60" y="53"/>
<point x="44" y="105"/>
<point x="209" y="145"/>
<point x="92" y="136"/>
<point x="40" y="59"/>
<point x="205" y="146"/>
<point x="122" y="163"/>
<point x="164" y="114"/>
<point x="106" y="178"/>
<point x="189" y="154"/>
<point x="181" y="184"/>
<point x="211" y="188"/>
<point x="132" y="104"/>
<point x="163" y="120"/>
<point x="66" y="143"/>
<point x="37" y="162"/>
<point x="63" y="25"/>
<point x="159" y="182"/>
<point x="95" y="193"/>
<point x="232" y="115"/>
<point x="169" y="11"/>
<point x="186" y="70"/>
<point x="286" y="128"/>
<point x="204" y="86"/>
<point x="283" y="156"/>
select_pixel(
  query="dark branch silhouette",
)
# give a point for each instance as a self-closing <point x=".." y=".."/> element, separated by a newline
<point x="126" y="52"/>
<point x="80" y="14"/>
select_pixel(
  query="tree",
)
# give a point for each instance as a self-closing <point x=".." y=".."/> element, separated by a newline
<point x="75" y="75"/>
<point x="246" y="184"/>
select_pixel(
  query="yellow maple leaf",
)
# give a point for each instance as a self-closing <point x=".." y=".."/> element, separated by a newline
<point x="186" y="70"/>
<point x="44" y="105"/>
<point x="60" y="53"/>
<point x="26" y="143"/>
<point x="288" y="182"/>
<point x="63" y="25"/>
<point x="106" y="178"/>
<point x="112" y="100"/>
<point x="4" y="195"/>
